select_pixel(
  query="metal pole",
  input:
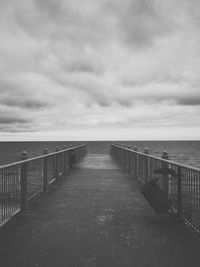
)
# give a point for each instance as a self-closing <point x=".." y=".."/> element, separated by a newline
<point x="179" y="200"/>
<point x="45" y="171"/>
<point x="135" y="163"/>
<point x="165" y="176"/>
<point x="64" y="160"/>
<point x="24" y="205"/>
<point x="146" y="171"/>
<point x="129" y="159"/>
<point x="56" y="164"/>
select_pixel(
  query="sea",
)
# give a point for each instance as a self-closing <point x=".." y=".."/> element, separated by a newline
<point x="185" y="152"/>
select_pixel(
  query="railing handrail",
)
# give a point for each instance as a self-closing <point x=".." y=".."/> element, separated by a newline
<point x="23" y="181"/>
<point x="38" y="157"/>
<point x="178" y="182"/>
<point x="161" y="159"/>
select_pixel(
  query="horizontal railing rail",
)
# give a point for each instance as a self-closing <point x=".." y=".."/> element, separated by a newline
<point x="39" y="157"/>
<point x="22" y="181"/>
<point x="179" y="182"/>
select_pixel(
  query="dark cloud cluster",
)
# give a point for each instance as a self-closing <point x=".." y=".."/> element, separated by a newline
<point x="141" y="22"/>
<point x="17" y="95"/>
<point x="23" y="102"/>
<point x="12" y="119"/>
<point x="190" y="101"/>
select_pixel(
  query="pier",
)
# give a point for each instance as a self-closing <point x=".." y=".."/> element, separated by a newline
<point x="87" y="210"/>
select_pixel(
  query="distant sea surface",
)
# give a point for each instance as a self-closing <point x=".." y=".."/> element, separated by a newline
<point x="186" y="152"/>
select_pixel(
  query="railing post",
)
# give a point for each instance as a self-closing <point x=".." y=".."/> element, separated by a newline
<point x="111" y="150"/>
<point x="165" y="176"/>
<point x="124" y="157"/>
<point x="84" y="151"/>
<point x="117" y="151"/>
<point x="120" y="156"/>
<point x="78" y="153"/>
<point x="136" y="163"/>
<point x="45" y="171"/>
<point x="24" y="205"/>
<point x="132" y="162"/>
<point x="179" y="200"/>
<point x="124" y="149"/>
<point x="121" y="151"/>
<point x="74" y="155"/>
<point x="68" y="158"/>
<point x="64" y="159"/>
<point x="129" y="159"/>
<point x="72" y="158"/>
<point x="56" y="164"/>
<point x="122" y="164"/>
<point x="146" y="171"/>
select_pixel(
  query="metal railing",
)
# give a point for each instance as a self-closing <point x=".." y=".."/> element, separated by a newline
<point x="22" y="181"/>
<point x="180" y="183"/>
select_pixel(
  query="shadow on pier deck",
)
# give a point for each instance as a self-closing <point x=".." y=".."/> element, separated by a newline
<point x="95" y="216"/>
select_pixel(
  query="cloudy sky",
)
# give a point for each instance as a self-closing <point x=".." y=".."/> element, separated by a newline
<point x="99" y="69"/>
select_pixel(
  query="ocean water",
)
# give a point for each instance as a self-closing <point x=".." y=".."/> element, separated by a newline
<point x="186" y="152"/>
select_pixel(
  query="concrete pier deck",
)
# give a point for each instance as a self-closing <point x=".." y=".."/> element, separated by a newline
<point x="96" y="216"/>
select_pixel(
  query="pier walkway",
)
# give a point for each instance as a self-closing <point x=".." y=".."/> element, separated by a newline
<point x="96" y="216"/>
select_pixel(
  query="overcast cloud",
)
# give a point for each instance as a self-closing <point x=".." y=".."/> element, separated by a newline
<point x="91" y="69"/>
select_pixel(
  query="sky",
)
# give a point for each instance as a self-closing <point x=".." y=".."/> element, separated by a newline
<point x="99" y="69"/>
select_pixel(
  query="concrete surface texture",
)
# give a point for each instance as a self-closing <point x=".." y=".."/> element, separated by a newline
<point x="96" y="216"/>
